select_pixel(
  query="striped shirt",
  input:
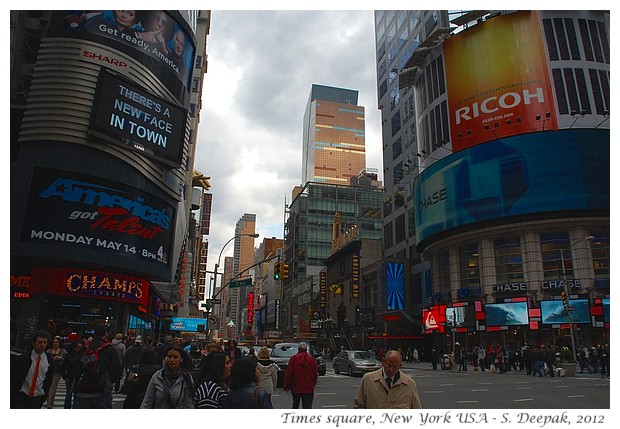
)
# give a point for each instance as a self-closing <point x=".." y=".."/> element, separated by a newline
<point x="209" y="395"/>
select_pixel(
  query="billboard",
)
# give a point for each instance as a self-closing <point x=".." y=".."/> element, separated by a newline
<point x="188" y="324"/>
<point x="138" y="120"/>
<point x="395" y="280"/>
<point x="553" y="311"/>
<point x="461" y="317"/>
<point x="98" y="221"/>
<point x="506" y="314"/>
<point x="511" y="177"/>
<point x="606" y="310"/>
<point x="498" y="80"/>
<point x="153" y="33"/>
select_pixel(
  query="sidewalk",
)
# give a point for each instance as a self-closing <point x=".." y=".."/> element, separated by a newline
<point x="427" y="366"/>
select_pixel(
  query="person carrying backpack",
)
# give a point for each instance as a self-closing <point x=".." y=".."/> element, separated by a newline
<point x="100" y="367"/>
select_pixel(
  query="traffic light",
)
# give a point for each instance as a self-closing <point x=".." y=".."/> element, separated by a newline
<point x="564" y="300"/>
<point x="284" y="268"/>
<point x="277" y="271"/>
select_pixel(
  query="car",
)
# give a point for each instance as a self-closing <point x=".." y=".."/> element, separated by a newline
<point x="355" y="362"/>
<point x="245" y="350"/>
<point x="281" y="353"/>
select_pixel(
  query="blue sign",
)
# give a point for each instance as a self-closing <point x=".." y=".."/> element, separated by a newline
<point x="532" y="173"/>
<point x="186" y="324"/>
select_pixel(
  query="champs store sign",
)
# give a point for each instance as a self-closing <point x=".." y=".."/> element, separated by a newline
<point x="89" y="284"/>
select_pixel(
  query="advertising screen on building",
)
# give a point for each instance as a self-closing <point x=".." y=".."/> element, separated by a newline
<point x="188" y="324"/>
<point x="461" y="317"/>
<point x="506" y="314"/>
<point x="138" y="120"/>
<point x="101" y="221"/>
<point x="553" y="311"/>
<point x="498" y="80"/>
<point x="154" y="33"/>
<point x="512" y="177"/>
<point x="394" y="276"/>
<point x="606" y="310"/>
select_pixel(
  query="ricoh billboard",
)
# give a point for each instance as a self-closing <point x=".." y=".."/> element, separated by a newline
<point x="498" y="80"/>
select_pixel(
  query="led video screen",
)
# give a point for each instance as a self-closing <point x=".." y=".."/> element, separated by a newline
<point x="506" y="314"/>
<point x="606" y="310"/>
<point x="461" y="317"/>
<point x="553" y="311"/>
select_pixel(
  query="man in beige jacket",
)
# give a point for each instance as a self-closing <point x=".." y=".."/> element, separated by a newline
<point x="388" y="387"/>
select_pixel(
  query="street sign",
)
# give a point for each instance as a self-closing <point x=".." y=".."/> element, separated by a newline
<point x="212" y="319"/>
<point x="214" y="301"/>
<point x="204" y="306"/>
<point x="240" y="283"/>
<point x="569" y="308"/>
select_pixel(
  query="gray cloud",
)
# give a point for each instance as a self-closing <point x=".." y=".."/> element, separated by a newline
<point x="262" y="65"/>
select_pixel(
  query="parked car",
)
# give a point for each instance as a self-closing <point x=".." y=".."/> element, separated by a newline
<point x="281" y="353"/>
<point x="355" y="362"/>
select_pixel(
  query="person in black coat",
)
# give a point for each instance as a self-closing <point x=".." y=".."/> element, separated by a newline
<point x="244" y="392"/>
<point x="72" y="368"/>
<point x="138" y="379"/>
<point x="24" y="393"/>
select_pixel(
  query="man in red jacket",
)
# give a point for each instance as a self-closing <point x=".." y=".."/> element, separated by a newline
<point x="300" y="377"/>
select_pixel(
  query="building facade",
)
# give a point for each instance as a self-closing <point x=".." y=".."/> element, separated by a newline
<point x="476" y="108"/>
<point x="308" y="239"/>
<point x="103" y="141"/>
<point x="334" y="147"/>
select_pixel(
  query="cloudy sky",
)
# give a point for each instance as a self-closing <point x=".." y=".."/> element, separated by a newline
<point x="262" y="65"/>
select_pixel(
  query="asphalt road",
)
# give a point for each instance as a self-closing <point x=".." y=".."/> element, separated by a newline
<point x="443" y="389"/>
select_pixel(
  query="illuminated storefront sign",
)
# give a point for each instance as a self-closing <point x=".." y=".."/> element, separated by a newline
<point x="89" y="284"/>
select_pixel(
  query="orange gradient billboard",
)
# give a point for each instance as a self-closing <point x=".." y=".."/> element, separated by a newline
<point x="498" y="80"/>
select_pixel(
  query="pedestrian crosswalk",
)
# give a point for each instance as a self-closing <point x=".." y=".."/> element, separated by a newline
<point x="61" y="392"/>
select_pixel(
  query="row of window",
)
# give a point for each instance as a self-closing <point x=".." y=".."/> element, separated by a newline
<point x="509" y="259"/>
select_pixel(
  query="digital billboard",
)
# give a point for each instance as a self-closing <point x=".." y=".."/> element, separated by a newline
<point x="553" y="311"/>
<point x="506" y="314"/>
<point x="511" y="177"/>
<point x="461" y="317"/>
<point x="98" y="221"/>
<point x="154" y="33"/>
<point x="188" y="324"/>
<point x="498" y="80"/>
<point x="606" y="310"/>
<point x="139" y="120"/>
<point x="395" y="278"/>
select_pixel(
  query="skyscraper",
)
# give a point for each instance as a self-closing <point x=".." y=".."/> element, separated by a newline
<point x="334" y="148"/>
<point x="243" y="259"/>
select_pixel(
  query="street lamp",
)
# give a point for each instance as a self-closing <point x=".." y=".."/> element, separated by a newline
<point x="566" y="291"/>
<point x="219" y="258"/>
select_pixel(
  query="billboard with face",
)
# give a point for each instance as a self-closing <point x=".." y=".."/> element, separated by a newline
<point x="153" y="32"/>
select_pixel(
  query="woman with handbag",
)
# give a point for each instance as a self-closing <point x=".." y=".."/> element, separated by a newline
<point x="138" y="378"/>
<point x="244" y="392"/>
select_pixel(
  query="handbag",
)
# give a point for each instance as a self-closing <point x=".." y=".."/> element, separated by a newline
<point x="255" y="397"/>
<point x="130" y="383"/>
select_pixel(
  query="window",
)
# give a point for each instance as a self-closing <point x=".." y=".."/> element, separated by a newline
<point x="600" y="254"/>
<point x="508" y="260"/>
<point x="552" y="245"/>
<point x="443" y="271"/>
<point x="469" y="259"/>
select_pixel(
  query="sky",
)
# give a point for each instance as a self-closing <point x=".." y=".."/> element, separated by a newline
<point x="261" y="67"/>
